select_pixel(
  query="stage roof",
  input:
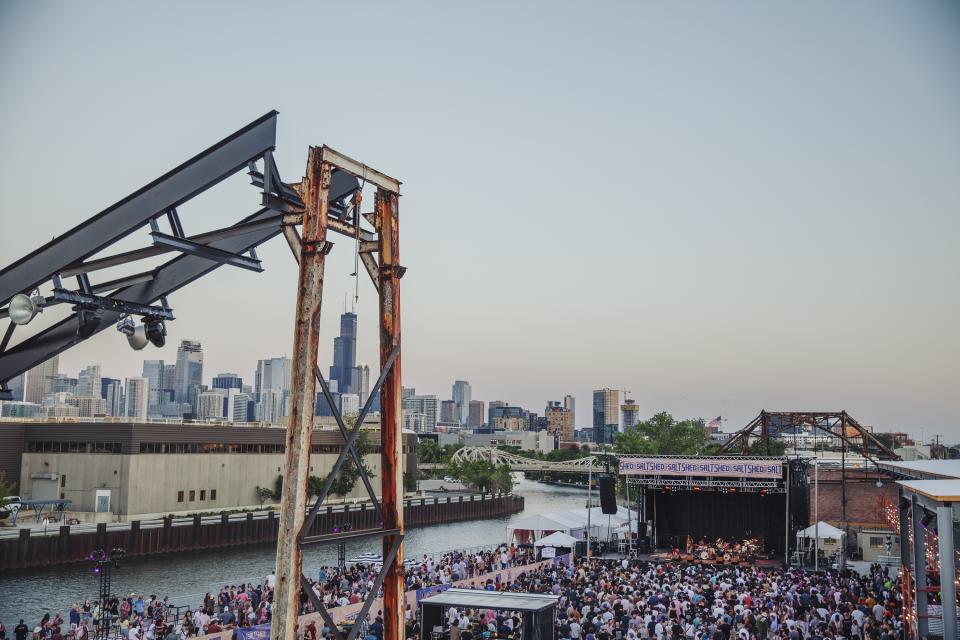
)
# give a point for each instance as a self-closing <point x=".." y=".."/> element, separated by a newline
<point x="501" y="600"/>
<point x="924" y="469"/>
<point x="939" y="490"/>
<point x="572" y="519"/>
<point x="556" y="539"/>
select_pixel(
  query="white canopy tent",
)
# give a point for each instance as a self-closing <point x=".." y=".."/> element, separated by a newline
<point x="556" y="539"/>
<point x="821" y="530"/>
<point x="573" y="522"/>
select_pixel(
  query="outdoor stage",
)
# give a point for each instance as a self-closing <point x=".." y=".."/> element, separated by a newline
<point x="733" y="498"/>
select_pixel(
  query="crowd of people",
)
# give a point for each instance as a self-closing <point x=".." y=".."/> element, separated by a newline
<point x="598" y="600"/>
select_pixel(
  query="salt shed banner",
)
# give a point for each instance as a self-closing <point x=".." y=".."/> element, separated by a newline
<point x="722" y="467"/>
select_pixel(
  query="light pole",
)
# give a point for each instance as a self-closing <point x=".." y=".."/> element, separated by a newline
<point x="816" y="514"/>
<point x="103" y="562"/>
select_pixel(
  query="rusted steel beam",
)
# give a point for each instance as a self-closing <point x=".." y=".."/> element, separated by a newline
<point x="360" y="170"/>
<point x="293" y="502"/>
<point x="391" y="399"/>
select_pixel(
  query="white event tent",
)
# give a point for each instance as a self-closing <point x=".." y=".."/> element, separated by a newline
<point x="572" y="522"/>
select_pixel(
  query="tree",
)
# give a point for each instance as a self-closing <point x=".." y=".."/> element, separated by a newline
<point x="277" y="488"/>
<point x="663" y="435"/>
<point x="428" y="451"/>
<point x="409" y="482"/>
<point x="776" y="447"/>
<point x="263" y="494"/>
<point x="314" y="486"/>
<point x="6" y="488"/>
<point x="483" y="475"/>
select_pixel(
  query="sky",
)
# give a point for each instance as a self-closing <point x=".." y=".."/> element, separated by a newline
<point x="720" y="207"/>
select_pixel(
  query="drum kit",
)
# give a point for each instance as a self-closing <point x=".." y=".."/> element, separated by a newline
<point x="726" y="552"/>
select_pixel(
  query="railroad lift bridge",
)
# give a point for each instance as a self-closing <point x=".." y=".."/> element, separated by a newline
<point x="60" y="278"/>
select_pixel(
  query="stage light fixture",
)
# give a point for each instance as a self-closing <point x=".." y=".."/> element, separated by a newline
<point x="23" y="308"/>
<point x="763" y="493"/>
<point x="136" y="333"/>
<point x="696" y="489"/>
<point x="732" y="490"/>
<point x="904" y="504"/>
<point x="927" y="519"/>
<point x="156" y="331"/>
<point x="88" y="320"/>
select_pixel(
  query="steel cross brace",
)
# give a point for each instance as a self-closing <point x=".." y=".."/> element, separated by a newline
<point x="349" y="446"/>
<point x="368" y="601"/>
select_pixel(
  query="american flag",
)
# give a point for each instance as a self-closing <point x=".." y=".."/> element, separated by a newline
<point x="715" y="423"/>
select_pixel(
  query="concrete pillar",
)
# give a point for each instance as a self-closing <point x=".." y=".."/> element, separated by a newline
<point x="948" y="570"/>
<point x="920" y="569"/>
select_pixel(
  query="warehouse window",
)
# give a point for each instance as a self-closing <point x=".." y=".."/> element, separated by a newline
<point x="203" y="494"/>
<point x="179" y="496"/>
<point x="213" y="494"/>
<point x="193" y="495"/>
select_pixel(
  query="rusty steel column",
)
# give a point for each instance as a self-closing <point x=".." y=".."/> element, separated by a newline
<point x="391" y="401"/>
<point x="303" y="382"/>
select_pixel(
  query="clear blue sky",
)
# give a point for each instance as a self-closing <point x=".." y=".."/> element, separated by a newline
<point x="722" y="207"/>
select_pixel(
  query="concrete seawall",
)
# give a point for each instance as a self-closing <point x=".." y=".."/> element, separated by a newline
<point x="175" y="535"/>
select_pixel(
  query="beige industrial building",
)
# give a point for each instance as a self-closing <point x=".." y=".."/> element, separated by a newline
<point x="128" y="471"/>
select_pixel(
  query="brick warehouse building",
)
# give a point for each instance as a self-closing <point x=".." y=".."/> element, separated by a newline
<point x="127" y="470"/>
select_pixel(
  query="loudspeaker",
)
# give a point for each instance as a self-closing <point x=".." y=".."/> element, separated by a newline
<point x="643" y="544"/>
<point x="608" y="499"/>
<point x="641" y="528"/>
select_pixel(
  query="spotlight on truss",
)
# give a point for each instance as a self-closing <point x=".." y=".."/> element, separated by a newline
<point x="24" y="308"/>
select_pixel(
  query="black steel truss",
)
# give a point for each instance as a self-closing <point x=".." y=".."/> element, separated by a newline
<point x="70" y="254"/>
<point x="834" y="423"/>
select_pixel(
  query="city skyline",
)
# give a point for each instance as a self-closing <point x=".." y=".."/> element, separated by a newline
<point x="778" y="232"/>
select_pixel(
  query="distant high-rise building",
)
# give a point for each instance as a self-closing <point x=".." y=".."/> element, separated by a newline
<point x="18" y="409"/>
<point x="570" y="404"/>
<point x="40" y="380"/>
<point x="606" y="415"/>
<point x="462" y="393"/>
<point x="16" y="386"/>
<point x="272" y="374"/>
<point x="112" y="393"/>
<point x="189" y="373"/>
<point x="559" y="421"/>
<point x="631" y="413"/>
<point x="88" y="406"/>
<point x="153" y="371"/>
<point x="88" y="382"/>
<point x="62" y="383"/>
<point x="449" y="412"/>
<point x="270" y="407"/>
<point x="137" y="397"/>
<point x="168" y="388"/>
<point x="503" y="417"/>
<point x="344" y="370"/>
<point x="408" y="392"/>
<point x="426" y="406"/>
<point x="210" y="405"/>
<point x="238" y="405"/>
<point x="349" y="404"/>
<point x="475" y="419"/>
<point x="227" y="381"/>
<point x="364" y="377"/>
<point x="491" y="408"/>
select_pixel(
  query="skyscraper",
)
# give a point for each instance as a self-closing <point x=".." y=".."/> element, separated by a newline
<point x="344" y="370"/>
<point x="88" y="382"/>
<point x="606" y="415"/>
<point x="364" y="390"/>
<point x="570" y="404"/>
<point x="40" y="380"/>
<point x="492" y="407"/>
<point x="137" y="397"/>
<point x="112" y="393"/>
<point x="462" y="395"/>
<point x="559" y="421"/>
<point x="272" y="374"/>
<point x="16" y="386"/>
<point x="227" y="381"/>
<point x="189" y="372"/>
<point x="238" y="405"/>
<point x="426" y="406"/>
<point x="449" y="412"/>
<point x="210" y="405"/>
<point x="475" y="419"/>
<point x="153" y="371"/>
<point x="631" y="413"/>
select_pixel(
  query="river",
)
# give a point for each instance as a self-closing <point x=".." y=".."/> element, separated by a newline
<point x="187" y="576"/>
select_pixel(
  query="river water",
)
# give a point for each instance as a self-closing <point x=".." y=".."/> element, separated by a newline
<point x="187" y="576"/>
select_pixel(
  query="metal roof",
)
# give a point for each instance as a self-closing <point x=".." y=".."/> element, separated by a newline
<point x="499" y="600"/>
<point x="924" y="469"/>
<point x="938" y="490"/>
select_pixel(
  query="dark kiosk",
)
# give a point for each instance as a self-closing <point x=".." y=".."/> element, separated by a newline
<point x="537" y="611"/>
